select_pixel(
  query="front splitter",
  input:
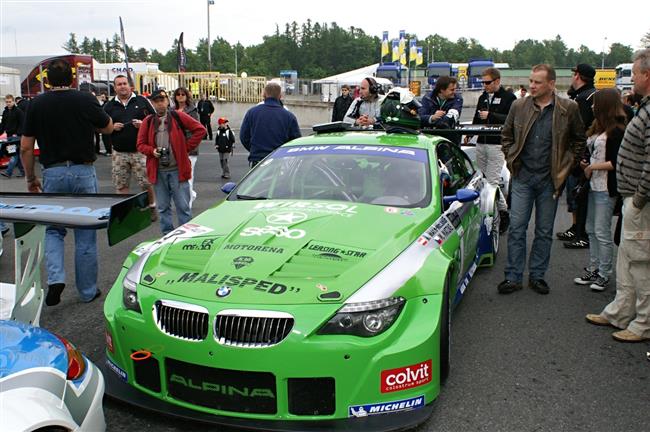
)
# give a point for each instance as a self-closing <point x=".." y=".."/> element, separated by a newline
<point x="403" y="420"/>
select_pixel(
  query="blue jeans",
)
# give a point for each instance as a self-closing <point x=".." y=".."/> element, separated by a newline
<point x="15" y="162"/>
<point x="525" y="195"/>
<point x="168" y="187"/>
<point x="74" y="179"/>
<point x="599" y="229"/>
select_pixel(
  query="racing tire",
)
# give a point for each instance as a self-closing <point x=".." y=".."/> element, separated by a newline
<point x="445" y="334"/>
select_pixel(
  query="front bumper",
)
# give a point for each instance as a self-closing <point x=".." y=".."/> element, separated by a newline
<point x="120" y="390"/>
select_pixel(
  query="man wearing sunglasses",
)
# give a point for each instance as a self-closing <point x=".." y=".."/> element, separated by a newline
<point x="492" y="108"/>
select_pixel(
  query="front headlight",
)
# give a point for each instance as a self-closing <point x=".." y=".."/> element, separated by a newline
<point x="130" y="284"/>
<point x="365" y="319"/>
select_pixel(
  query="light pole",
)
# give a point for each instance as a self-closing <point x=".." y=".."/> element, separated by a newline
<point x="602" y="64"/>
<point x="210" y="2"/>
<point x="236" y="46"/>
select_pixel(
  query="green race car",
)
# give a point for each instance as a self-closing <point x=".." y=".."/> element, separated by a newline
<point x="316" y="296"/>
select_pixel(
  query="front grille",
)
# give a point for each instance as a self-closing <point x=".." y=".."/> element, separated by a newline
<point x="311" y="396"/>
<point x="181" y="320"/>
<point x="222" y="389"/>
<point x="147" y="373"/>
<point x="252" y="328"/>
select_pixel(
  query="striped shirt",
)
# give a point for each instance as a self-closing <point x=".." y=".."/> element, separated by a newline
<point x="633" y="167"/>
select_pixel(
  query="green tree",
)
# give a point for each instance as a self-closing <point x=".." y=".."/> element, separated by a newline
<point x="618" y="53"/>
<point x="71" y="45"/>
<point x="645" y="40"/>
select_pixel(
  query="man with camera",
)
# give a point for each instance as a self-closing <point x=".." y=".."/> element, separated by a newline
<point x="162" y="140"/>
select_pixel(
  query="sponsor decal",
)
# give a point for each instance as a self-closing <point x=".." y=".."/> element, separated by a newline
<point x="406" y="377"/>
<point x="386" y="407"/>
<point x="228" y="390"/>
<point x="233" y="281"/>
<point x="186" y="231"/>
<point x="108" y="337"/>
<point x="242" y="261"/>
<point x="337" y="251"/>
<point x="407" y="213"/>
<point x="340" y="209"/>
<point x="330" y="256"/>
<point x="224" y="291"/>
<point x="391" y="210"/>
<point x="254" y="248"/>
<point x="102" y="213"/>
<point x="398" y="152"/>
<point x="278" y="231"/>
<point x="118" y="371"/>
<point x="321" y="287"/>
<point x="203" y="245"/>
<point x="288" y="218"/>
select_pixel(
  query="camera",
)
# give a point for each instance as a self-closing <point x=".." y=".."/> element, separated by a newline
<point x="164" y="156"/>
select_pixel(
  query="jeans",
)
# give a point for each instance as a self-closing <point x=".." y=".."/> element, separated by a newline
<point x="193" y="160"/>
<point x="168" y="187"/>
<point x="15" y="162"/>
<point x="74" y="179"/>
<point x="599" y="229"/>
<point x="526" y="194"/>
<point x="223" y="159"/>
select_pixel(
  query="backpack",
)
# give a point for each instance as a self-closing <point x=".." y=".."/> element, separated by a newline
<point x="224" y="140"/>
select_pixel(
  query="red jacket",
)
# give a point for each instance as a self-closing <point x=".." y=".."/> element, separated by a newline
<point x="180" y="146"/>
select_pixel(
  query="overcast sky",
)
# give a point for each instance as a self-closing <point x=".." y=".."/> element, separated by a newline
<point x="40" y="27"/>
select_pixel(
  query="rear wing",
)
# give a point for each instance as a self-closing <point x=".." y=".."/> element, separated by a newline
<point x="474" y="130"/>
<point x="122" y="215"/>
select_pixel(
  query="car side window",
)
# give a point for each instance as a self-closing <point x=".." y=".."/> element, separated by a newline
<point x="455" y="170"/>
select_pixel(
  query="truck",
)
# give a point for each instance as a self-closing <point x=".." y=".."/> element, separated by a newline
<point x="624" y="76"/>
<point x="33" y="71"/>
<point x="437" y="69"/>
<point x="395" y="72"/>
<point x="475" y="68"/>
<point x="605" y="78"/>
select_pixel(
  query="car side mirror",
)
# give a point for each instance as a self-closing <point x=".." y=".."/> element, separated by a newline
<point x="228" y="187"/>
<point x="462" y="195"/>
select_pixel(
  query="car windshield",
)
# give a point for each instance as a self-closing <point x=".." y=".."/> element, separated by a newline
<point x="382" y="175"/>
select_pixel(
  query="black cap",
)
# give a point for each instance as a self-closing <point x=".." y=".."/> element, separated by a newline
<point x="157" y="94"/>
<point x="585" y="70"/>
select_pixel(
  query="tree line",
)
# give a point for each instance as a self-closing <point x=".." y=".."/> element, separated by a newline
<point x="317" y="50"/>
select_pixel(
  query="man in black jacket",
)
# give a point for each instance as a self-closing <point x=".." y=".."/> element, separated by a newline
<point x="492" y="108"/>
<point x="341" y="104"/>
<point x="127" y="110"/>
<point x="582" y="91"/>
<point x="12" y="123"/>
<point x="205" y="109"/>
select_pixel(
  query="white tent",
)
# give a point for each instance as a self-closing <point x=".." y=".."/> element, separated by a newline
<point x="331" y="86"/>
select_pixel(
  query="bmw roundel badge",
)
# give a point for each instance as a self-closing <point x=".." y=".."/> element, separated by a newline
<point x="224" y="291"/>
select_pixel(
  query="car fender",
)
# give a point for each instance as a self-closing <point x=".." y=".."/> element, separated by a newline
<point x="30" y="408"/>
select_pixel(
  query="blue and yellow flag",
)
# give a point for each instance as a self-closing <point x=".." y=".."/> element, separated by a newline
<point x="402" y="41"/>
<point x="402" y="58"/>
<point x="418" y="57"/>
<point x="412" y="50"/>
<point x="384" y="44"/>
<point x="395" y="50"/>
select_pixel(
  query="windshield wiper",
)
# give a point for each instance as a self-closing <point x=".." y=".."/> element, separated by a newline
<point x="248" y="197"/>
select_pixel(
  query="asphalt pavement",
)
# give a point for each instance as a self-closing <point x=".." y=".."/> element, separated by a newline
<point x="522" y="362"/>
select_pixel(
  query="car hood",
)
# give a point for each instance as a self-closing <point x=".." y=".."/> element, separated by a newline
<point x="281" y="252"/>
<point x="23" y="346"/>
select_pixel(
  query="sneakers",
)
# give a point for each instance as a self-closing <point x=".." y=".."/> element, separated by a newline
<point x="598" y="320"/>
<point x="588" y="278"/>
<point x="20" y="175"/>
<point x="577" y="244"/>
<point x="628" y="336"/>
<point x="600" y="284"/>
<point x="567" y="235"/>
<point x="54" y="294"/>
<point x="539" y="286"/>
<point x="4" y="174"/>
<point x="508" y="287"/>
<point x="225" y="176"/>
<point x="504" y="222"/>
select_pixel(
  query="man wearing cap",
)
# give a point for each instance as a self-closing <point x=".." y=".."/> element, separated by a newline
<point x="224" y="142"/>
<point x="582" y="91"/>
<point x="64" y="121"/>
<point x="162" y="140"/>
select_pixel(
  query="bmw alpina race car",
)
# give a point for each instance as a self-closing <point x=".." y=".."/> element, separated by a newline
<point x="316" y="296"/>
